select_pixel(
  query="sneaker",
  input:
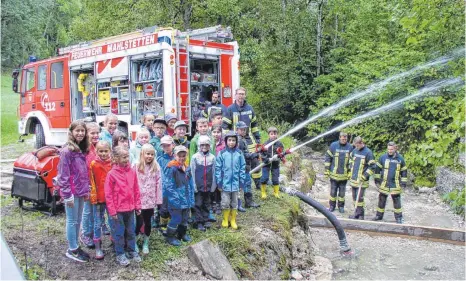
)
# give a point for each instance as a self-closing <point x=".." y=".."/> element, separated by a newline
<point x="208" y="224"/>
<point x="134" y="256"/>
<point x="87" y="241"/>
<point x="122" y="260"/>
<point x="77" y="255"/>
<point x="83" y="253"/>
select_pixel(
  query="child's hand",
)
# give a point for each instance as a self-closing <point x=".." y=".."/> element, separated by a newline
<point x="138" y="212"/>
<point x="115" y="217"/>
<point x="70" y="204"/>
<point x="86" y="197"/>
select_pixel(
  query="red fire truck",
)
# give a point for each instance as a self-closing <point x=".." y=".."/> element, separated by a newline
<point x="153" y="70"/>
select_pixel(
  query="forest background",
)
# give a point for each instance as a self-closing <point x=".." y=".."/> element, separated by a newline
<point x="298" y="56"/>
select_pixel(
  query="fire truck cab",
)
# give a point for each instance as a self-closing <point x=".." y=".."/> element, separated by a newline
<point x="151" y="71"/>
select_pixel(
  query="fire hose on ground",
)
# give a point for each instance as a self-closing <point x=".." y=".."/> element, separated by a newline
<point x="280" y="156"/>
<point x="344" y="246"/>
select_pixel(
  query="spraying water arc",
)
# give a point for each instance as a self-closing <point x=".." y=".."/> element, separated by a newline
<point x="431" y="87"/>
<point x="372" y="88"/>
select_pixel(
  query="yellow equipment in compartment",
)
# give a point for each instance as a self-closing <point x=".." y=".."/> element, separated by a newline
<point x="104" y="98"/>
<point x="85" y="86"/>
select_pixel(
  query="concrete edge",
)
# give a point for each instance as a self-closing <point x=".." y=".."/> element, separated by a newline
<point x="412" y="231"/>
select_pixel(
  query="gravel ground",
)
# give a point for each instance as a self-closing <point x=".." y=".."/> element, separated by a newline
<point x="392" y="258"/>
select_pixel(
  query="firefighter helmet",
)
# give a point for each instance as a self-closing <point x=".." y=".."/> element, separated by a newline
<point x="241" y="125"/>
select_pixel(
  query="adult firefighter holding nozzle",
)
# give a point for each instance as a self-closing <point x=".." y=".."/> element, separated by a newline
<point x="240" y="110"/>
<point x="362" y="165"/>
<point x="391" y="176"/>
<point x="337" y="166"/>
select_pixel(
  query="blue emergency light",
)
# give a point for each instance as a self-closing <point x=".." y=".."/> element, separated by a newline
<point x="32" y="58"/>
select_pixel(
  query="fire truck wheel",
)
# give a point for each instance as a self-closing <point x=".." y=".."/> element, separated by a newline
<point x="20" y="202"/>
<point x="40" y="136"/>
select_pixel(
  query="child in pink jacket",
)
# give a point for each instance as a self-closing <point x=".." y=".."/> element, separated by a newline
<point x="123" y="199"/>
<point x="150" y="186"/>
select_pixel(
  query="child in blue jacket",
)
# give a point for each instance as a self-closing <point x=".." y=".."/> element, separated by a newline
<point x="180" y="195"/>
<point x="230" y="175"/>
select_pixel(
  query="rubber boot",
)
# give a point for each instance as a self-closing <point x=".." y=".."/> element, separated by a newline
<point x="240" y="206"/>
<point x="331" y="206"/>
<point x="171" y="237"/>
<point x="182" y="233"/>
<point x="263" y="191"/>
<point x="249" y="201"/>
<point x="145" y="245"/>
<point x="399" y="220"/>
<point x="226" y="214"/>
<point x="341" y="210"/>
<point x="99" y="254"/>
<point x="233" y="219"/>
<point x="276" y="191"/>
<point x="377" y="217"/>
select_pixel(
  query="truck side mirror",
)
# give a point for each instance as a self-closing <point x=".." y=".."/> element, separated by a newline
<point x="15" y="75"/>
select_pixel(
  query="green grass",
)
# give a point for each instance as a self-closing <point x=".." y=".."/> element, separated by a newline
<point x="9" y="106"/>
<point x="276" y="214"/>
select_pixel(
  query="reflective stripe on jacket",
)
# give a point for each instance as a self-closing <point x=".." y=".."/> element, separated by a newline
<point x="337" y="160"/>
<point x="362" y="167"/>
<point x="391" y="173"/>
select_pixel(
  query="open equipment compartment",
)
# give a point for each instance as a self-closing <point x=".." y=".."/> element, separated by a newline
<point x="204" y="80"/>
<point x="83" y="91"/>
<point x="147" y="87"/>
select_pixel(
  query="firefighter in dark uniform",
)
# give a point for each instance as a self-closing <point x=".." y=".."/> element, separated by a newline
<point x="391" y="176"/>
<point x="241" y="128"/>
<point x="240" y="110"/>
<point x="337" y="167"/>
<point x="362" y="165"/>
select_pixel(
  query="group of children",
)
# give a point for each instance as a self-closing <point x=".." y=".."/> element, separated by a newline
<point x="111" y="186"/>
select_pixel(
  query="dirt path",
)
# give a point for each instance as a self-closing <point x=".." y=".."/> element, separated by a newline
<point x="426" y="209"/>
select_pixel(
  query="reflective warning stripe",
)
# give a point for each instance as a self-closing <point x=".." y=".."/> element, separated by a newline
<point x="345" y="168"/>
<point x="397" y="175"/>
<point x="327" y="164"/>
<point x="385" y="173"/>
<point x="255" y="130"/>
<point x="404" y="168"/>
<point x="380" y="165"/>
<point x="380" y="210"/>
<point x="333" y="199"/>
<point x="335" y="165"/>
<point x="341" y="199"/>
<point x="329" y="153"/>
<point x="360" y="204"/>
<point x="398" y="211"/>
<point x="235" y="121"/>
<point x="226" y="120"/>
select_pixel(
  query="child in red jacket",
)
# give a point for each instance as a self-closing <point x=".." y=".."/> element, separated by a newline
<point x="123" y="199"/>
<point x="98" y="171"/>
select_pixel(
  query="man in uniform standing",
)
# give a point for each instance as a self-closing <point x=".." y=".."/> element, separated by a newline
<point x="391" y="176"/>
<point x="337" y="168"/>
<point x="240" y="110"/>
<point x="362" y="165"/>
